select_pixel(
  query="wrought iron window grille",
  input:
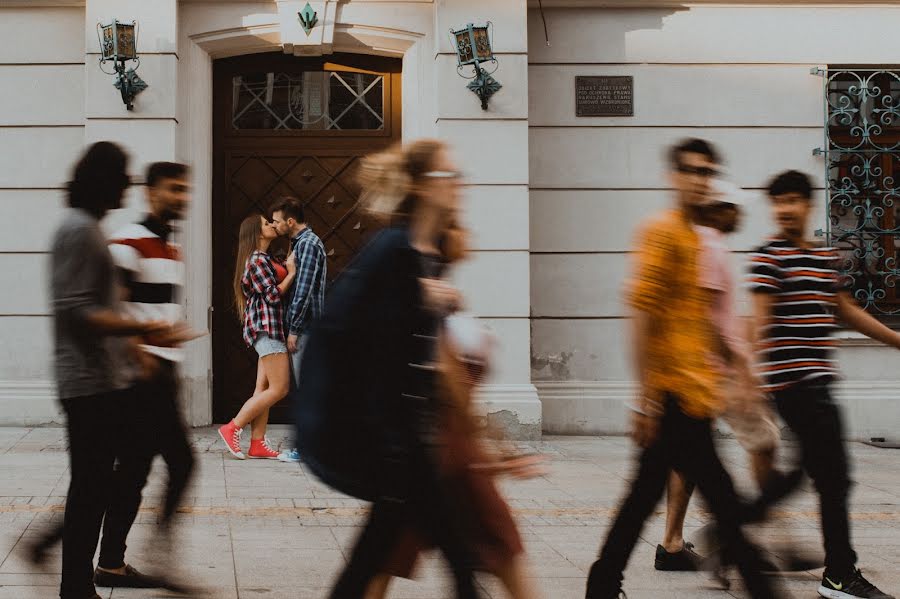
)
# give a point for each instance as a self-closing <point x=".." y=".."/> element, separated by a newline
<point x="862" y="174"/>
<point x="328" y="101"/>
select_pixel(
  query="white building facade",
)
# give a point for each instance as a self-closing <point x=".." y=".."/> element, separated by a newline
<point x="553" y="197"/>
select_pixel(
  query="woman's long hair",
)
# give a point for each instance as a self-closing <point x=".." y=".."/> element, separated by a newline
<point x="248" y="242"/>
<point x="388" y="178"/>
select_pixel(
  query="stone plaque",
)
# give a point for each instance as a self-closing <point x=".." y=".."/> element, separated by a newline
<point x="604" y="96"/>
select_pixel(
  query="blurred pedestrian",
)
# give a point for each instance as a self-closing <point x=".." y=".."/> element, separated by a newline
<point x="744" y="407"/>
<point x="92" y="374"/>
<point x="798" y="296"/>
<point x="368" y="416"/>
<point x="673" y="333"/>
<point x="259" y="292"/>
<point x="467" y="462"/>
<point x="152" y="274"/>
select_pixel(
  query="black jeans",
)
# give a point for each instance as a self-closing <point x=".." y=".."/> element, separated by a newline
<point x="429" y="511"/>
<point x="154" y="426"/>
<point x="811" y="414"/>
<point x="684" y="444"/>
<point x="93" y="424"/>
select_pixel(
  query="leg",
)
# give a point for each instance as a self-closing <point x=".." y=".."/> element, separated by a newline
<point x="698" y="460"/>
<point x="277" y="371"/>
<point x="174" y="445"/>
<point x="515" y="577"/>
<point x="646" y="489"/>
<point x="91" y="457"/>
<point x="137" y="448"/>
<point x="258" y="424"/>
<point x="762" y="464"/>
<point x="378" y="588"/>
<point x="373" y="544"/>
<point x="678" y="495"/>
<point x="816" y="421"/>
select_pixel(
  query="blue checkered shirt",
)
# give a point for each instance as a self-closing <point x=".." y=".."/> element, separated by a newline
<point x="309" y="286"/>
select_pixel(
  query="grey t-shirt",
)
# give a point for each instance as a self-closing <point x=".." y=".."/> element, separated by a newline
<point x="82" y="280"/>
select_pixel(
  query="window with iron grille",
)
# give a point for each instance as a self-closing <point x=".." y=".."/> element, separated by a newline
<point x="862" y="129"/>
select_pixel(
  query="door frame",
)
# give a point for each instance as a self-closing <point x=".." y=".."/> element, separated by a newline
<point x="208" y="34"/>
<point x="227" y="141"/>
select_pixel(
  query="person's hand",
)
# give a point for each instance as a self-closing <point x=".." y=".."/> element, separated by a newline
<point x="148" y="365"/>
<point x="440" y="296"/>
<point x="155" y="327"/>
<point x="644" y="429"/>
<point x="291" y="264"/>
<point x="292" y="343"/>
<point x="527" y="466"/>
<point x="173" y="335"/>
<point x="521" y="467"/>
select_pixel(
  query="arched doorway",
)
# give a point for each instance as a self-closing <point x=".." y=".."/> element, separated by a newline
<point x="284" y="125"/>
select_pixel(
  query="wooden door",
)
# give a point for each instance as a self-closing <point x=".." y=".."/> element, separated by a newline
<point x="289" y="126"/>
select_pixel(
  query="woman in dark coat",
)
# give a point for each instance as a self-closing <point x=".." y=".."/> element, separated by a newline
<point x="366" y="415"/>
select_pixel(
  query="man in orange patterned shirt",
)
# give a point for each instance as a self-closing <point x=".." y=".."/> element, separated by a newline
<point x="672" y="336"/>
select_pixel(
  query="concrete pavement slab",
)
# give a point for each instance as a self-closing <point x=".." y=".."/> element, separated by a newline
<point x="268" y="530"/>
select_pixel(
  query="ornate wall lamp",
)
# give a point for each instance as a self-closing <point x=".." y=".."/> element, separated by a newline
<point x="118" y="44"/>
<point x="473" y="47"/>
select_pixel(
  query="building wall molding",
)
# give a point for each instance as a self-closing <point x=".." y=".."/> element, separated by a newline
<point x="870" y="408"/>
<point x="513" y="410"/>
<point x="29" y="403"/>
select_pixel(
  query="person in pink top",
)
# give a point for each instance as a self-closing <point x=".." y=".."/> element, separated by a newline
<point x="746" y="410"/>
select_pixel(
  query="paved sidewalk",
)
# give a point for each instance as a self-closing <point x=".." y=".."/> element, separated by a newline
<point x="267" y="530"/>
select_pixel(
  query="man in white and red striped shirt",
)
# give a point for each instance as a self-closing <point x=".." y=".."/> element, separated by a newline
<point x="152" y="274"/>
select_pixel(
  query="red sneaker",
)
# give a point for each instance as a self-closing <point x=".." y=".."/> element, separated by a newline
<point x="231" y="434"/>
<point x="260" y="449"/>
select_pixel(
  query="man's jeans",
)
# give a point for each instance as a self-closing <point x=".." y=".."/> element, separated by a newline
<point x="93" y="424"/>
<point x="814" y="418"/>
<point x="296" y="358"/>
<point x="684" y="444"/>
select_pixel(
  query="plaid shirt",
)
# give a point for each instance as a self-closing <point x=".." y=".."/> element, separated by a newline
<point x="264" y="311"/>
<point x="309" y="286"/>
<point x="666" y="285"/>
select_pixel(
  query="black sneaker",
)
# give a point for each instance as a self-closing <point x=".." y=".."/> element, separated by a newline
<point x="686" y="560"/>
<point x="603" y="587"/>
<point x="854" y="586"/>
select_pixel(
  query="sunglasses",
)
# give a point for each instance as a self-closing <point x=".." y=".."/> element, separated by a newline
<point x="454" y="175"/>
<point x="703" y="171"/>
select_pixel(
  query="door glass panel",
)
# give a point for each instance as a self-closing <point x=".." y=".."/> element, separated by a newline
<point x="312" y="100"/>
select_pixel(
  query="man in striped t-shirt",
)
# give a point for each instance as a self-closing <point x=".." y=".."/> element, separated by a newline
<point x="798" y="295"/>
<point x="152" y="276"/>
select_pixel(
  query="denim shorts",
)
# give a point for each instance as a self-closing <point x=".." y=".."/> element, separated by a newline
<point x="266" y="346"/>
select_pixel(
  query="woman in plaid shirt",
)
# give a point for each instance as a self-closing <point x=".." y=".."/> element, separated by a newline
<point x="259" y="284"/>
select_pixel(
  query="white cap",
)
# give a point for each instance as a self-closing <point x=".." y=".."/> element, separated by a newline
<point x="726" y="192"/>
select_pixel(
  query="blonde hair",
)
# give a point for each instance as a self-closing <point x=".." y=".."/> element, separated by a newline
<point x="388" y="178"/>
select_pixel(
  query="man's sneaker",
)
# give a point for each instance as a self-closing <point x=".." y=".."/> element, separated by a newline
<point x="131" y="579"/>
<point x="601" y="586"/>
<point x="685" y="560"/>
<point x="290" y="456"/>
<point x="231" y="434"/>
<point x="261" y="450"/>
<point x="853" y="586"/>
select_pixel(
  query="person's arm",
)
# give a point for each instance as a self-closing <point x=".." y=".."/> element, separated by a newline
<point x="309" y="258"/>
<point x="762" y="315"/>
<point x="655" y="258"/>
<point x="263" y="281"/>
<point x="76" y="282"/>
<point x="860" y="320"/>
